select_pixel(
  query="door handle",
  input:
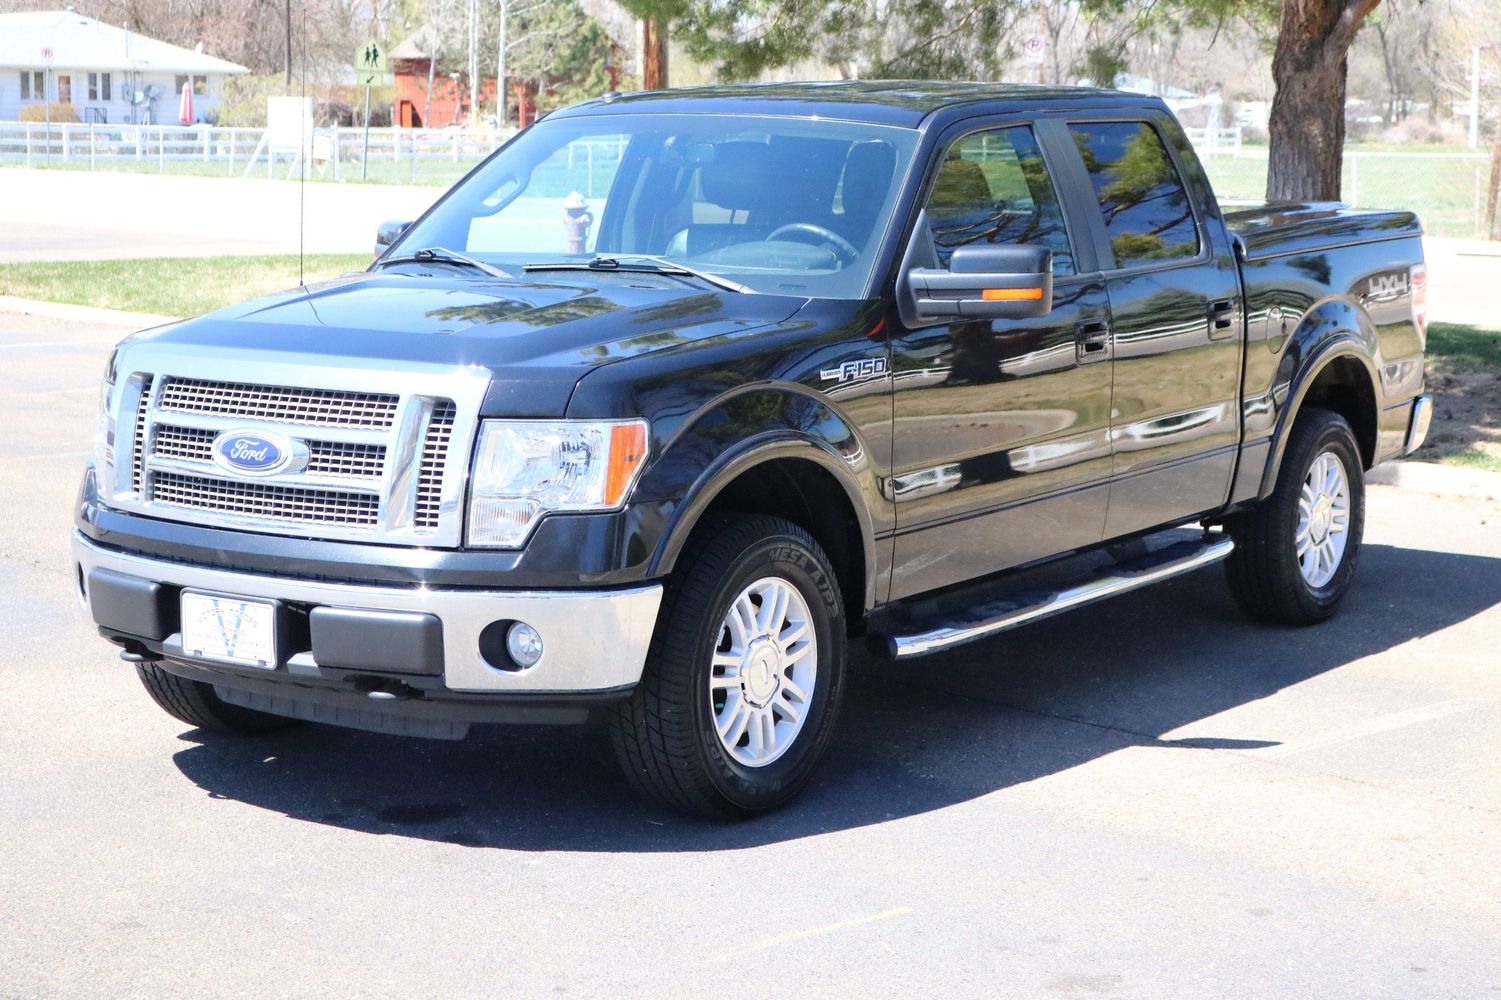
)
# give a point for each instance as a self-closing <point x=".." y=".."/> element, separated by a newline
<point x="1221" y="317"/>
<point x="1092" y="341"/>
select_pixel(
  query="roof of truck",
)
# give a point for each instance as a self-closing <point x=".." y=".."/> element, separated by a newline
<point x="881" y="102"/>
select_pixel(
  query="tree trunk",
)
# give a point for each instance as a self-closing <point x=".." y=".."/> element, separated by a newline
<point x="1493" y="188"/>
<point x="1307" y="123"/>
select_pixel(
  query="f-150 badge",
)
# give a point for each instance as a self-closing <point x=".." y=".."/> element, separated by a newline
<point x="863" y="368"/>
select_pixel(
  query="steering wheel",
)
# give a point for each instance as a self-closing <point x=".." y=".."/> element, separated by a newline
<point x="846" y="251"/>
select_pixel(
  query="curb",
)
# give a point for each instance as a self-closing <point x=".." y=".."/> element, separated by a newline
<point x="81" y="314"/>
<point x="1438" y="480"/>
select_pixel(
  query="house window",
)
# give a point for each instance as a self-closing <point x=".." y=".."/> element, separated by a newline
<point x="32" y="85"/>
<point x="200" y="84"/>
<point x="99" y="87"/>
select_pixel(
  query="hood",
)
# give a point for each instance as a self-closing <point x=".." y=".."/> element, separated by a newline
<point x="538" y="338"/>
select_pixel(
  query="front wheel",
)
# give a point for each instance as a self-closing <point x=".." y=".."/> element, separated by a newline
<point x="1295" y="553"/>
<point x="745" y="674"/>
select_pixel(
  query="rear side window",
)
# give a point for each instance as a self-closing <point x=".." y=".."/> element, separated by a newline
<point x="993" y="187"/>
<point x="1148" y="215"/>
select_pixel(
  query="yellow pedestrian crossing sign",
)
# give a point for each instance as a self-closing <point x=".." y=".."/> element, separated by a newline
<point x="370" y="64"/>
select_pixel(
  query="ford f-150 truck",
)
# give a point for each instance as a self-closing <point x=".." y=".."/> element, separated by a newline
<point x="677" y="394"/>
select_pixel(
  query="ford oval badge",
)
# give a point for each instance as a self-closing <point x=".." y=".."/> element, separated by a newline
<point x="253" y="454"/>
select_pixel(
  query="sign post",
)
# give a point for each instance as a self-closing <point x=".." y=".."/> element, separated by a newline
<point x="1035" y="49"/>
<point x="370" y="66"/>
<point x="47" y="97"/>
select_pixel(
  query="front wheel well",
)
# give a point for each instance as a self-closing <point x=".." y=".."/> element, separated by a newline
<point x="1344" y="386"/>
<point x="808" y="495"/>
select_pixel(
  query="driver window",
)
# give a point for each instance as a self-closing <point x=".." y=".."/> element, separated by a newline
<point x="993" y="187"/>
<point x="558" y="208"/>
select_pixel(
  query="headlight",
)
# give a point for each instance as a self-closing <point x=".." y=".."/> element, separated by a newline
<point x="524" y="469"/>
<point x="104" y="424"/>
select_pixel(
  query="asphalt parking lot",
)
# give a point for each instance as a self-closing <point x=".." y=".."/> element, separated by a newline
<point x="1147" y="798"/>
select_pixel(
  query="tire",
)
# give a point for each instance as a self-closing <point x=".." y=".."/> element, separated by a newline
<point x="1268" y="578"/>
<point x="195" y="703"/>
<point x="667" y="734"/>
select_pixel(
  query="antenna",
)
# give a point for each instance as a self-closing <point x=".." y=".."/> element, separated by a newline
<point x="303" y="155"/>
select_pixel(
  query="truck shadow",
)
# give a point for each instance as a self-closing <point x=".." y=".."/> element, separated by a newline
<point x="912" y="738"/>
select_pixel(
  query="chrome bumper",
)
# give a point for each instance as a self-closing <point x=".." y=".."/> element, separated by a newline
<point x="1417" y="428"/>
<point x="592" y="640"/>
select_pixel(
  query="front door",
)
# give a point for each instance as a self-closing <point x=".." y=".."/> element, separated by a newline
<point x="1001" y="451"/>
<point x="1175" y="317"/>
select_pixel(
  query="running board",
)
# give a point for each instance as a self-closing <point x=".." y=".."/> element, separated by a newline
<point x="996" y="616"/>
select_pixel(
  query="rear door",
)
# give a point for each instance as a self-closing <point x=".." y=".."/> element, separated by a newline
<point x="1175" y="321"/>
<point x="1001" y="451"/>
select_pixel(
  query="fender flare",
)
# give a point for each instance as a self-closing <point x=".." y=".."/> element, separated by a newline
<point x="1343" y="344"/>
<point x="769" y="446"/>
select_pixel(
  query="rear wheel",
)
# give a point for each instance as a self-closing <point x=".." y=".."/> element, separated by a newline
<point x="195" y="703"/>
<point x="1295" y="553"/>
<point x="745" y="674"/>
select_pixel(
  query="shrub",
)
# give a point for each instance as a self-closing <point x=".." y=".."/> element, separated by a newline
<point x="39" y="112"/>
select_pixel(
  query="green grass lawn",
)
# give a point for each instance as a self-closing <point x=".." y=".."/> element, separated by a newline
<point x="168" y="286"/>
<point x="1456" y="348"/>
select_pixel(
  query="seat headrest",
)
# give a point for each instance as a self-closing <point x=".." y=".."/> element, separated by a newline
<point x="867" y="175"/>
<point x="739" y="177"/>
<point x="960" y="189"/>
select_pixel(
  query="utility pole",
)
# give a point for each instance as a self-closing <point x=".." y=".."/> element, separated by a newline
<point x="1475" y="97"/>
<point x="289" y="43"/>
<point x="473" y="61"/>
<point x="500" y="65"/>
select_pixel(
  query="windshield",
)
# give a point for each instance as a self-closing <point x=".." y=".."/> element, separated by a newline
<point x="784" y="206"/>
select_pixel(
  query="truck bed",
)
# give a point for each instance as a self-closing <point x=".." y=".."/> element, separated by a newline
<point x="1278" y="229"/>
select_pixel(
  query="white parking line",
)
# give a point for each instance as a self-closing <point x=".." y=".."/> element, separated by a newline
<point x="761" y="944"/>
<point x="1370" y="727"/>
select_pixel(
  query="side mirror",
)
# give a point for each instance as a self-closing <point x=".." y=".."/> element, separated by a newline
<point x="990" y="282"/>
<point x="387" y="233"/>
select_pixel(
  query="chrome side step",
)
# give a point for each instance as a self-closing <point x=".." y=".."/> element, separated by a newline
<point x="992" y="617"/>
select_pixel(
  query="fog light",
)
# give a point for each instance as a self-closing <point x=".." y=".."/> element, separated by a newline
<point x="524" y="644"/>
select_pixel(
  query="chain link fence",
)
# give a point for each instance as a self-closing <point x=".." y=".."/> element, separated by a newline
<point x="1447" y="190"/>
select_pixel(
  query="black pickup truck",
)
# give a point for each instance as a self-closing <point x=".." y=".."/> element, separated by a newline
<point x="678" y="394"/>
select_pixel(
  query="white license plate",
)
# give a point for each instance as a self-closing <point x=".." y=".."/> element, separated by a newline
<point x="232" y="629"/>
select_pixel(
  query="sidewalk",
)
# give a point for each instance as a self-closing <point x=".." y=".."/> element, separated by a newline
<point x="1462" y="279"/>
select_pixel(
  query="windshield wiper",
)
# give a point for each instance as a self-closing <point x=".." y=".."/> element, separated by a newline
<point x="648" y="264"/>
<point x="440" y="255"/>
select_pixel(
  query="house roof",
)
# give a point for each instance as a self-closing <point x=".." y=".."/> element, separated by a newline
<point x="79" y="42"/>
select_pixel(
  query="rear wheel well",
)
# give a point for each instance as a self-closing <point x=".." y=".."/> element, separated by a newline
<point x="1344" y="387"/>
<point x="803" y="492"/>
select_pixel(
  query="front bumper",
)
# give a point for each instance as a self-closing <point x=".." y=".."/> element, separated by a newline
<point x="595" y="641"/>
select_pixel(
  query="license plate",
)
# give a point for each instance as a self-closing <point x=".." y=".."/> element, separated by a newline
<point x="231" y="629"/>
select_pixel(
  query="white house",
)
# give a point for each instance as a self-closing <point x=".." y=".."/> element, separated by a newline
<point x="110" y="74"/>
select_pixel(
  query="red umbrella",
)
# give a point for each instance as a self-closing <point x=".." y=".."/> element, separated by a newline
<point x="185" y="106"/>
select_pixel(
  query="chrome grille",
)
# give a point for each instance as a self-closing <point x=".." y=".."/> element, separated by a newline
<point x="329" y="458"/>
<point x="279" y="503"/>
<point x="138" y="438"/>
<point x="281" y="404"/>
<point x="338" y="458"/>
<point x="434" y="457"/>
<point x="369" y="462"/>
<point x="190" y="443"/>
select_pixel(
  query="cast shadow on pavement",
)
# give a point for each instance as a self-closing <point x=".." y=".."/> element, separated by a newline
<point x="912" y="738"/>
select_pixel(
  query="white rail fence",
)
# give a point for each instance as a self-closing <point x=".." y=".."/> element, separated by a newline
<point x="331" y="153"/>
